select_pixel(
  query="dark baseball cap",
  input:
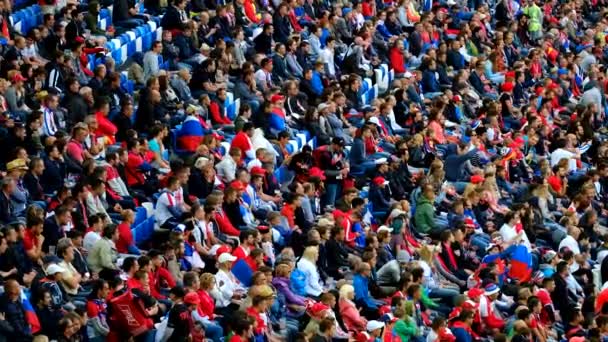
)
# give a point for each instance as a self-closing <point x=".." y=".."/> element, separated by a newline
<point x="338" y="141"/>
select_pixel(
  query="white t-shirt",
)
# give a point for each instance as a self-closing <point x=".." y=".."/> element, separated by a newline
<point x="89" y="240"/>
<point x="162" y="212"/>
<point x="508" y="233"/>
<point x="559" y="154"/>
<point x="571" y="243"/>
<point x="327" y="56"/>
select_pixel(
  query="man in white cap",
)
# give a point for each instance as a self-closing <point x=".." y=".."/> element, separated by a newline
<point x="374" y="328"/>
<point x="54" y="275"/>
<point x="228" y="289"/>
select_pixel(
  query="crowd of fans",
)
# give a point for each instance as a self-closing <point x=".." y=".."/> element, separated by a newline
<point x="466" y="202"/>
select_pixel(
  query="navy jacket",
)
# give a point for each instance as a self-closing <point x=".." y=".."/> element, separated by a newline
<point x="477" y="83"/>
<point x="455" y="59"/>
<point x="379" y="199"/>
<point x="356" y="155"/>
<point x="430" y="84"/>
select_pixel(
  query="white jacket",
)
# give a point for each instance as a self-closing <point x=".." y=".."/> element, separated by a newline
<point x="313" y="281"/>
<point x="225" y="285"/>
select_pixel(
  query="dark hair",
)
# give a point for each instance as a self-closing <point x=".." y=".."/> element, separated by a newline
<point x="417" y="274"/>
<point x="189" y="279"/>
<point x="128" y="263"/>
<point x="326" y="324"/>
<point x="109" y="230"/>
<point x="97" y="286"/>
<point x="245" y="234"/>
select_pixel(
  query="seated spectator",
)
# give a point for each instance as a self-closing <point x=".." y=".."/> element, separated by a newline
<point x="103" y="255"/>
<point x="125" y="243"/>
<point x="15" y="314"/>
<point x="168" y="210"/>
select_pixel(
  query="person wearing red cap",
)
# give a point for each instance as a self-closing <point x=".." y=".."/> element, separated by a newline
<point x="15" y="96"/>
<point x="378" y="194"/>
<point x="277" y="121"/>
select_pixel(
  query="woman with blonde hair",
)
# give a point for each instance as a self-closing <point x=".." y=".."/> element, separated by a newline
<point x="436" y="278"/>
<point x="308" y="265"/>
<point x="545" y="200"/>
<point x="348" y="310"/>
<point x="491" y="193"/>
<point x="204" y="313"/>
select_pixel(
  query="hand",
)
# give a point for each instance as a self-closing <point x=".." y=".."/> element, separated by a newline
<point x="2" y="317"/>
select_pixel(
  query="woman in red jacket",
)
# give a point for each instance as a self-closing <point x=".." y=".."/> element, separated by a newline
<point x="105" y="127"/>
<point x="397" y="57"/>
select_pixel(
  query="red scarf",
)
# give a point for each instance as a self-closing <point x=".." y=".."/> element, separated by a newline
<point x="451" y="255"/>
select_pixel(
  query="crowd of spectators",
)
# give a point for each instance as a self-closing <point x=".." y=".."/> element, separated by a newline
<point x="254" y="177"/>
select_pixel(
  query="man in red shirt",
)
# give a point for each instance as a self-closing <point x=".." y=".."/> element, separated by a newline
<point x="558" y="180"/>
<point x="247" y="239"/>
<point x="242" y="140"/>
<point x="162" y="277"/>
<point x="33" y="239"/>
<point x="125" y="243"/>
<point x="260" y="302"/>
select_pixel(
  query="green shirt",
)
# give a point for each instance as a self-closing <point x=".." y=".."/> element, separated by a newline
<point x="536" y="16"/>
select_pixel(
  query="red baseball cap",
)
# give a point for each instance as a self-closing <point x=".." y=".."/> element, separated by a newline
<point x="507" y="86"/>
<point x="317" y="172"/>
<point x="192" y="298"/>
<point x="258" y="171"/>
<point x="475" y="292"/>
<point x="477" y="179"/>
<point x="379" y="180"/>
<point x="276" y="98"/>
<point x="237" y="185"/>
<point x="18" y="78"/>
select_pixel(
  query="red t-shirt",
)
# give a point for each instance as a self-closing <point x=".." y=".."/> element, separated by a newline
<point x="260" y="326"/>
<point x="125" y="238"/>
<point x="207" y="306"/>
<point x="236" y="338"/>
<point x="133" y="283"/>
<point x="29" y="240"/>
<point x="555" y="182"/>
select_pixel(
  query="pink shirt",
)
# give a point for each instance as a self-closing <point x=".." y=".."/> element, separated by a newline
<point x="438" y="130"/>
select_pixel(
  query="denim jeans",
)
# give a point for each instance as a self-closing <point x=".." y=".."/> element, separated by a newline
<point x="213" y="331"/>
<point x="331" y="193"/>
<point x="445" y="294"/>
<point x="481" y="241"/>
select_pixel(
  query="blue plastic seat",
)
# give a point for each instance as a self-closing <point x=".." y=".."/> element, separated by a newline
<point x="131" y="48"/>
<point x="147" y="41"/>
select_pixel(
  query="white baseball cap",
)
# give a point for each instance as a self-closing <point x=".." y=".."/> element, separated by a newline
<point x="384" y="228"/>
<point x="374" y="325"/>
<point x="225" y="257"/>
<point x="54" y="269"/>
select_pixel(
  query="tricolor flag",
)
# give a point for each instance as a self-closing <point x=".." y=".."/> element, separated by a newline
<point x="521" y="264"/>
<point x="30" y="314"/>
